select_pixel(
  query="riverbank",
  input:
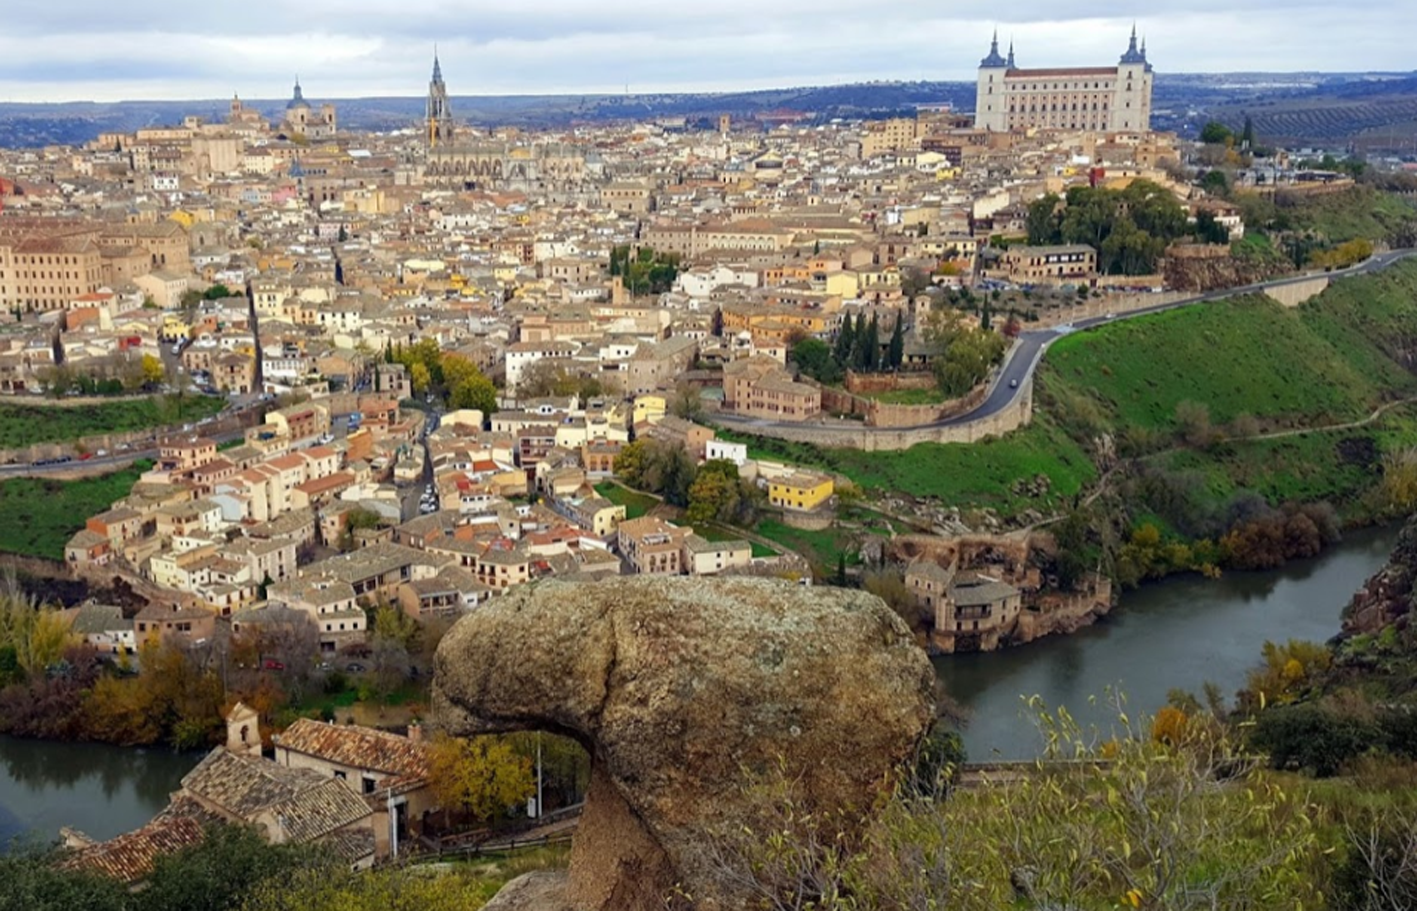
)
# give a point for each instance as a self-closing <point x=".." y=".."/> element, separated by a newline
<point x="1178" y="633"/>
<point x="98" y="789"/>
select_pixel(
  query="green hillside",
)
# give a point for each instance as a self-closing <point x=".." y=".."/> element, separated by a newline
<point x="1334" y="359"/>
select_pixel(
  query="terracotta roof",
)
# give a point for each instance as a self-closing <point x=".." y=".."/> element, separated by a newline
<point x="130" y="857"/>
<point x="308" y="804"/>
<point x="356" y="747"/>
<point x="352" y="844"/>
<point x="1064" y="72"/>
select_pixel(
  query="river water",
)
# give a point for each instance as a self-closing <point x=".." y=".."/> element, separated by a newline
<point x="1173" y="634"/>
<point x="1178" y="633"/>
<point x="98" y="789"/>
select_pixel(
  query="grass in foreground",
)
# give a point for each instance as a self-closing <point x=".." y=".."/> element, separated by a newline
<point x="26" y="424"/>
<point x="41" y="515"/>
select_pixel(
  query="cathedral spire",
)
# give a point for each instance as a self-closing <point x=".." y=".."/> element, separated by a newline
<point x="1010" y="60"/>
<point x="1133" y="55"/>
<point x="437" y="69"/>
<point x="993" y="60"/>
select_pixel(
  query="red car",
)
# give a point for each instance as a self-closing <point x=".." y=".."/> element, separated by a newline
<point x="272" y="664"/>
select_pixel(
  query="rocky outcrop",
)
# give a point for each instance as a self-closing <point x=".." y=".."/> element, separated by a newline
<point x="1386" y="598"/>
<point x="682" y="690"/>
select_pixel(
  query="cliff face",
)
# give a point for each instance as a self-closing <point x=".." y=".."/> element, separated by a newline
<point x="1210" y="274"/>
<point x="1386" y="599"/>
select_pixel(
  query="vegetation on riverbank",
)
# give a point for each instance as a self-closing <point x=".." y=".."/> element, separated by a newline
<point x="25" y="424"/>
<point x="42" y="514"/>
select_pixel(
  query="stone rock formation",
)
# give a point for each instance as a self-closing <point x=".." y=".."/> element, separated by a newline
<point x="1386" y="599"/>
<point x="681" y="689"/>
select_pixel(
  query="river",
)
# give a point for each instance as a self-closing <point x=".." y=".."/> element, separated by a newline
<point x="1173" y="634"/>
<point x="1178" y="633"/>
<point x="98" y="789"/>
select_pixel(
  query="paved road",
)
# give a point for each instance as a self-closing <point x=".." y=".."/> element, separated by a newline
<point x="1028" y="351"/>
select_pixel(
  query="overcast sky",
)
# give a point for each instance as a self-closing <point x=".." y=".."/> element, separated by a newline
<point x="58" y="50"/>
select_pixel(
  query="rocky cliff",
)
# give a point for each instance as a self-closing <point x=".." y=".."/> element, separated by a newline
<point x="1385" y="600"/>
<point x="682" y="689"/>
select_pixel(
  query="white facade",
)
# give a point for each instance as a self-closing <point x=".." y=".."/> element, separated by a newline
<point x="737" y="453"/>
<point x="1102" y="99"/>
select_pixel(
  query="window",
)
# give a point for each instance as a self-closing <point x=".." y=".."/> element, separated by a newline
<point x="341" y="775"/>
<point x="368" y="785"/>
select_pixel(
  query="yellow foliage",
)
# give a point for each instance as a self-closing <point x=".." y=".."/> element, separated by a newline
<point x="1169" y="726"/>
<point x="480" y="775"/>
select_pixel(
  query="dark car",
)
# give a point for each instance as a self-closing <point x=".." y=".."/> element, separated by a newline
<point x="354" y="668"/>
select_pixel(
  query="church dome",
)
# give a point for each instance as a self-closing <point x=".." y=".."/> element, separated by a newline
<point x="298" y="101"/>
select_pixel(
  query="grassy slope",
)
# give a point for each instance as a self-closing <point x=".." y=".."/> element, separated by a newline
<point x="974" y="475"/>
<point x="1247" y="356"/>
<point x="1331" y="360"/>
<point x="28" y="424"/>
<point x="1360" y="212"/>
<point x="38" y="517"/>
<point x="636" y="504"/>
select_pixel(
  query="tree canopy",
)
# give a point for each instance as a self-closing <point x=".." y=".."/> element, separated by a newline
<point x="1130" y="228"/>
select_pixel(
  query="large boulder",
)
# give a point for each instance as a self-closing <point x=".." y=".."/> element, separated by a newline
<point x="682" y="690"/>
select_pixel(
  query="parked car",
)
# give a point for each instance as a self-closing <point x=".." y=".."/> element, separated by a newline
<point x="272" y="664"/>
<point x="354" y="668"/>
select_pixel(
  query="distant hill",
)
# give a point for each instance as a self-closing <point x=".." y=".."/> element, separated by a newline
<point x="1332" y="110"/>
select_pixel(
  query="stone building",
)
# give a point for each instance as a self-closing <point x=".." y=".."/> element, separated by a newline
<point x="1104" y="99"/>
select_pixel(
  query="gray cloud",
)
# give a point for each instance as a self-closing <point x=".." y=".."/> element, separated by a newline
<point x="156" y="48"/>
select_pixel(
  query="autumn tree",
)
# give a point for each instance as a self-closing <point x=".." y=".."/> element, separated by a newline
<point x="420" y="378"/>
<point x="153" y="371"/>
<point x="482" y="776"/>
<point x="717" y="494"/>
<point x="474" y="392"/>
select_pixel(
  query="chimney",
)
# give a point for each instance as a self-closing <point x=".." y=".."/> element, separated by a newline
<point x="415" y="731"/>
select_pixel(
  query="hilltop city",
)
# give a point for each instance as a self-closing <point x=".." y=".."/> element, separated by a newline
<point x="374" y="382"/>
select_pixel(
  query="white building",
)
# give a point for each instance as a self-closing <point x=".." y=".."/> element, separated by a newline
<point x="1104" y="99"/>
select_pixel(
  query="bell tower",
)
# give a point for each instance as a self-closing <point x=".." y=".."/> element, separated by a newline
<point x="243" y="730"/>
<point x="440" y="115"/>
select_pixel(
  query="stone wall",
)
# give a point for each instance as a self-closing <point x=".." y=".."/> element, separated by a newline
<point x="1295" y="293"/>
<point x="884" y="414"/>
<point x="867" y="383"/>
<point x="843" y="433"/>
<point x="1109" y="303"/>
<point x="136" y="440"/>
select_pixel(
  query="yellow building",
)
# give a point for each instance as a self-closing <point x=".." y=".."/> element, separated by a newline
<point x="174" y="327"/>
<point x="802" y="491"/>
<point x="649" y="409"/>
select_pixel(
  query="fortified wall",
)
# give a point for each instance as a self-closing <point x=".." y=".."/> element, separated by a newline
<point x="845" y="433"/>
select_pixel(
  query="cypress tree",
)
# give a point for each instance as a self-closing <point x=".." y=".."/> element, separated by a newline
<point x="845" y="343"/>
<point x="871" y="346"/>
<point x="895" y="355"/>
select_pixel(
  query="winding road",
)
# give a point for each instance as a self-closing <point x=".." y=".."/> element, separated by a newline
<point x="1027" y="352"/>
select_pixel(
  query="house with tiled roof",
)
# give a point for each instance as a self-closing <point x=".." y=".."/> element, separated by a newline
<point x="130" y="857"/>
<point x="388" y="770"/>
<point x="296" y="805"/>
